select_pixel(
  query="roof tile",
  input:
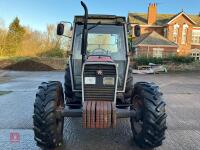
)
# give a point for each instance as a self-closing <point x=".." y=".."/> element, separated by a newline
<point x="162" y="19"/>
<point x="153" y="38"/>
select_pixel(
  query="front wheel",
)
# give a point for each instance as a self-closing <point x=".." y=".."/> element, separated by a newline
<point x="149" y="124"/>
<point x="48" y="127"/>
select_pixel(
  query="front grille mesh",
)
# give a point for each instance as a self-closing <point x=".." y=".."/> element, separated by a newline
<point x="99" y="91"/>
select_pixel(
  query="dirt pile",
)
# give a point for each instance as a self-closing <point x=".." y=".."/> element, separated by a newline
<point x="28" y="65"/>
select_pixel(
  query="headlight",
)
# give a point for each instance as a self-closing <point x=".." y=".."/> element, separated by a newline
<point x="90" y="80"/>
<point x="108" y="80"/>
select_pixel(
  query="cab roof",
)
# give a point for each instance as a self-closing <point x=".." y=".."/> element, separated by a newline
<point x="104" y="19"/>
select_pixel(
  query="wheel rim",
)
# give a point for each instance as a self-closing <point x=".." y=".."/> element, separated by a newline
<point x="137" y="121"/>
<point x="59" y="123"/>
<point x="138" y="126"/>
<point x="60" y="105"/>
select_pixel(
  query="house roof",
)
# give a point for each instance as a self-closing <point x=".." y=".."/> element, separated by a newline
<point x="162" y="19"/>
<point x="153" y="38"/>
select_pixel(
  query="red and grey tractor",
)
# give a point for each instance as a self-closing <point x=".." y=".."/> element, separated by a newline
<point x="99" y="86"/>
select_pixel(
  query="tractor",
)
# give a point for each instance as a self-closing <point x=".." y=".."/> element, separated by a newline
<point x="99" y="86"/>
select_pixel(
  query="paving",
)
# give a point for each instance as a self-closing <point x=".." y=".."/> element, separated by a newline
<point x="181" y="92"/>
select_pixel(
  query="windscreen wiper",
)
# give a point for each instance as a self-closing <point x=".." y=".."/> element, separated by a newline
<point x="94" y="26"/>
<point x="90" y="28"/>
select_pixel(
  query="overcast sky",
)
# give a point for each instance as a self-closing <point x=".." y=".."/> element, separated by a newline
<point x="38" y="13"/>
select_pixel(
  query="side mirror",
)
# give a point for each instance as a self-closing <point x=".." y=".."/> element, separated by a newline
<point x="137" y="30"/>
<point x="60" y="29"/>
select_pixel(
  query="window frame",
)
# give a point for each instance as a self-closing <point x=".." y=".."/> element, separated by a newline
<point x="184" y="34"/>
<point x="158" y="52"/>
<point x="175" y="33"/>
<point x="196" y="37"/>
<point x="195" y="54"/>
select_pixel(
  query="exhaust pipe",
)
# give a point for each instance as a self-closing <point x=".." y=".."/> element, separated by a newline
<point x="84" y="33"/>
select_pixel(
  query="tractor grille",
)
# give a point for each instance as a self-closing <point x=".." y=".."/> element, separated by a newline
<point x="99" y="90"/>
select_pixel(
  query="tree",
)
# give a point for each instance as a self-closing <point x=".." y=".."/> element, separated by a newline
<point x="14" y="37"/>
<point x="2" y="37"/>
<point x="53" y="41"/>
<point x="32" y="43"/>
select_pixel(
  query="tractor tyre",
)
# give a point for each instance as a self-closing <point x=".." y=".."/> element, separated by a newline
<point x="149" y="124"/>
<point x="70" y="96"/>
<point x="48" y="126"/>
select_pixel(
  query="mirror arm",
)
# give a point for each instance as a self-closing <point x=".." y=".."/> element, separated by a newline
<point x="67" y="22"/>
<point x="127" y="26"/>
<point x="67" y="36"/>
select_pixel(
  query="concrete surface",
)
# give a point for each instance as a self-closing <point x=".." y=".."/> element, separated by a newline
<point x="181" y="92"/>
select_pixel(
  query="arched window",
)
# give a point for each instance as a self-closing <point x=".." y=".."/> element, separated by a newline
<point x="184" y="34"/>
<point x="175" y="33"/>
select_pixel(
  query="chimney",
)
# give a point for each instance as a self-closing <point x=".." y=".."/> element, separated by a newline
<point x="152" y="13"/>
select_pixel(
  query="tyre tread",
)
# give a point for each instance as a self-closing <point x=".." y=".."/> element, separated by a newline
<point x="154" y="117"/>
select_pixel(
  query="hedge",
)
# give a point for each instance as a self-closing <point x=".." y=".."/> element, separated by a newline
<point x="170" y="59"/>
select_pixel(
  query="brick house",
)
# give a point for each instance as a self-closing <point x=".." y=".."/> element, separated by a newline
<point x="180" y="29"/>
<point x="153" y="44"/>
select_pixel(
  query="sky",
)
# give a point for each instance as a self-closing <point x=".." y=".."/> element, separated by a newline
<point x="38" y="13"/>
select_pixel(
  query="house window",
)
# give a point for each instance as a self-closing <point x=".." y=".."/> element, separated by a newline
<point x="196" y="37"/>
<point x="158" y="52"/>
<point x="184" y="34"/>
<point x="175" y="33"/>
<point x="196" y="54"/>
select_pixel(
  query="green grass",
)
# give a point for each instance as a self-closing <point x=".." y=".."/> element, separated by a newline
<point x="4" y="92"/>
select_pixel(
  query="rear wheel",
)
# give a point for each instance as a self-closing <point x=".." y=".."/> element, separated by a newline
<point x="149" y="124"/>
<point x="48" y="127"/>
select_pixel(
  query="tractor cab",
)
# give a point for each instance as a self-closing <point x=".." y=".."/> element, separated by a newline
<point x="106" y="42"/>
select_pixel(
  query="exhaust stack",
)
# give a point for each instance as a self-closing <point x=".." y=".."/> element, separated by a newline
<point x="84" y="33"/>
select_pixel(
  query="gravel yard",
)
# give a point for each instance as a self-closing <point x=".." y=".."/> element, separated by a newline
<point x="181" y="92"/>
